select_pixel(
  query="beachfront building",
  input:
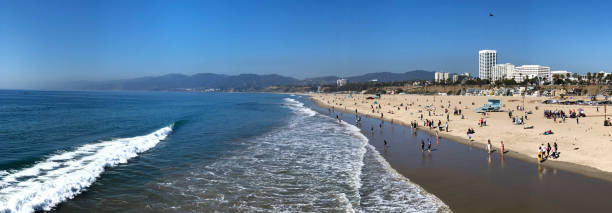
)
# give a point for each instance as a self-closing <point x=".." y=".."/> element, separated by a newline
<point x="502" y="71"/>
<point x="441" y="77"/>
<point x="561" y="74"/>
<point x="532" y="71"/>
<point x="487" y="59"/>
<point x="341" y="82"/>
<point x="459" y="77"/>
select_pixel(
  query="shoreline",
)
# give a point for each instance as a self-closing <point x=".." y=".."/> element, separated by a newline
<point x="563" y="165"/>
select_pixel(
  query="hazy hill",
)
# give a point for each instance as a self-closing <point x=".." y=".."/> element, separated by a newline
<point x="242" y="82"/>
<point x="380" y="76"/>
<point x="180" y="81"/>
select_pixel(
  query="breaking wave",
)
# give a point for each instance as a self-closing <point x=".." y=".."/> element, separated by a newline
<point x="299" y="107"/>
<point x="64" y="175"/>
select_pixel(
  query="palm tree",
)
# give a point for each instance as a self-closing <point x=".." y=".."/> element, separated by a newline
<point x="556" y="78"/>
<point x="575" y="75"/>
<point x="589" y="77"/>
<point x="599" y="77"/>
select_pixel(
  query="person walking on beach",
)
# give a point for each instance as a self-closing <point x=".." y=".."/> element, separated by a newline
<point x="548" y="149"/>
<point x="447" y="126"/>
<point x="429" y="146"/>
<point x="489" y="146"/>
<point x="502" y="147"/>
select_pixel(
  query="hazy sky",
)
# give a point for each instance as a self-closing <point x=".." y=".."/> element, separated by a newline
<point x="44" y="41"/>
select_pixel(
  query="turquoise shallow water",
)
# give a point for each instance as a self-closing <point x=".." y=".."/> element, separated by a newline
<point x="165" y="151"/>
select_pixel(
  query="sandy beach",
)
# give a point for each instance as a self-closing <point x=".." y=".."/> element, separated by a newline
<point x="585" y="143"/>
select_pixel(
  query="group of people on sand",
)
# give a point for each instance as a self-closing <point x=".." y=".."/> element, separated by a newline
<point x="554" y="114"/>
<point x="482" y="122"/>
<point x="457" y="111"/>
<point x="546" y="151"/>
<point x="518" y="121"/>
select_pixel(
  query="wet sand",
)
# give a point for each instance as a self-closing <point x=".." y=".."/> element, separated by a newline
<point x="468" y="179"/>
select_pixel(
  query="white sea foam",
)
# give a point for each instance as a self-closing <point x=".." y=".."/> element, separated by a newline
<point x="299" y="107"/>
<point x="65" y="175"/>
<point x="383" y="189"/>
<point x="313" y="164"/>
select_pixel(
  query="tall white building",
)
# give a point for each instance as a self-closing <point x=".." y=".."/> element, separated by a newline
<point x="487" y="59"/>
<point x="532" y="71"/>
<point x="341" y="82"/>
<point x="502" y="71"/>
<point x="441" y="76"/>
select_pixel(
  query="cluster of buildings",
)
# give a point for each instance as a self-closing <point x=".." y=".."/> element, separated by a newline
<point x="341" y="82"/>
<point x="441" y="77"/>
<point x="490" y="70"/>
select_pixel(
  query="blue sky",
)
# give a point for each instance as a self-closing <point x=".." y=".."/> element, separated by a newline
<point x="50" y="41"/>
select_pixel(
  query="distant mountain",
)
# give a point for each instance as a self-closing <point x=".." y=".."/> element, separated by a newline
<point x="320" y="80"/>
<point x="242" y="82"/>
<point x="379" y="76"/>
<point x="389" y="76"/>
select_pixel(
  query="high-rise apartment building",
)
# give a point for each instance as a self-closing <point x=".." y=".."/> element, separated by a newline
<point x="441" y="77"/>
<point x="341" y="82"/>
<point x="502" y="71"/>
<point x="487" y="59"/>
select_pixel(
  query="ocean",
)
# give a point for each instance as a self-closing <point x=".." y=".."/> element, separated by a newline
<point x="190" y="152"/>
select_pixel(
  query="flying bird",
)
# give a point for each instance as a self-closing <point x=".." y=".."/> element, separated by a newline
<point x="490" y="14"/>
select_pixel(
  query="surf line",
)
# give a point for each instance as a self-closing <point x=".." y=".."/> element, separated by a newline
<point x="65" y="175"/>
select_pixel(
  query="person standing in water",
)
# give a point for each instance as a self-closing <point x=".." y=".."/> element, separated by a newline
<point x="502" y="147"/>
<point x="422" y="145"/>
<point x="385" y="141"/>
<point x="429" y="146"/>
<point x="489" y="146"/>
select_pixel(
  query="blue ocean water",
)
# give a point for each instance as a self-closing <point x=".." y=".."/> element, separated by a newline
<point x="189" y="152"/>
